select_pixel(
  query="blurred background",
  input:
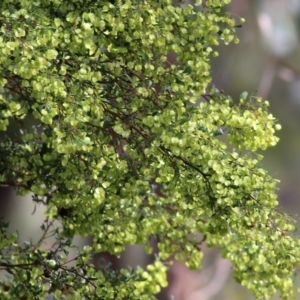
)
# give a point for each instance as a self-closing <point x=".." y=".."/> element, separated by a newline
<point x="266" y="62"/>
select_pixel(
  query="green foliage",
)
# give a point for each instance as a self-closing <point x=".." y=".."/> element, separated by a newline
<point x="124" y="151"/>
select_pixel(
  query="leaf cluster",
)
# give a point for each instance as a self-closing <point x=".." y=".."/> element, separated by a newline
<point x="124" y="150"/>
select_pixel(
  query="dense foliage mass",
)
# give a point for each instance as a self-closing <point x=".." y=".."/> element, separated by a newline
<point x="130" y="142"/>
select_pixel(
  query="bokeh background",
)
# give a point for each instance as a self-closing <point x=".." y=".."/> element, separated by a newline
<point x="266" y="62"/>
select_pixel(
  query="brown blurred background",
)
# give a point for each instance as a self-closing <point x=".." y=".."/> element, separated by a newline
<point x="267" y="60"/>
